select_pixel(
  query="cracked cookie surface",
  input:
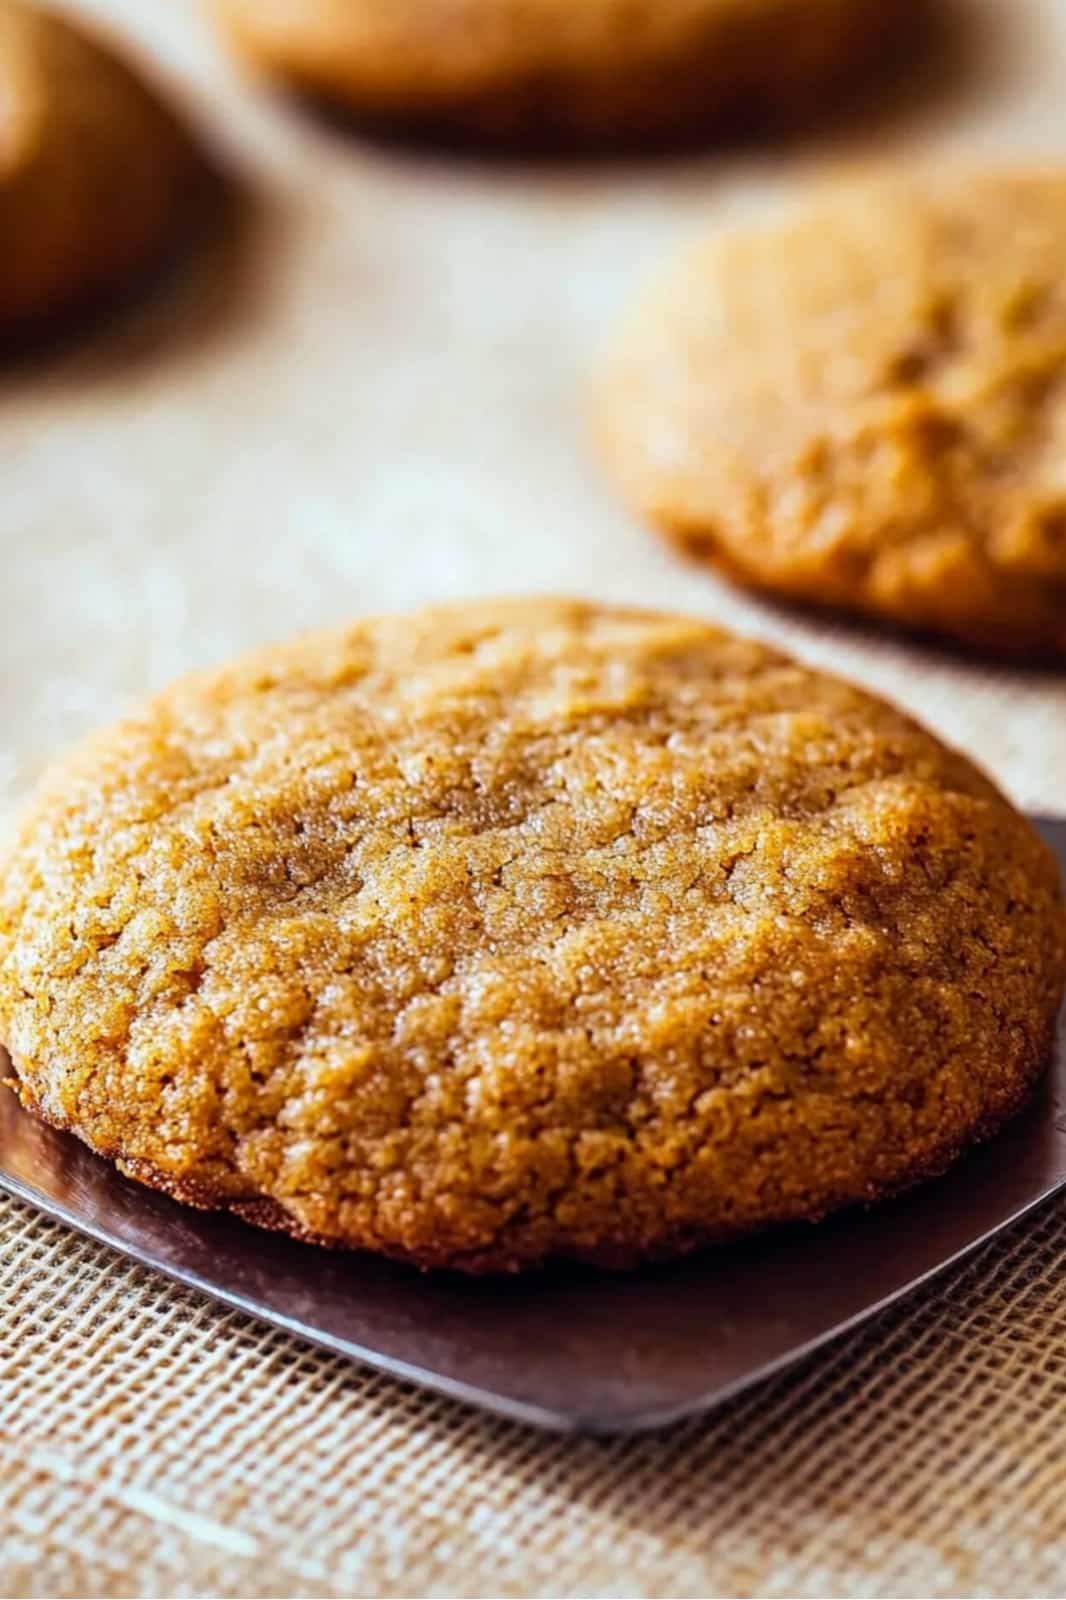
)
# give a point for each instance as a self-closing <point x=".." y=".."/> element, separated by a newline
<point x="864" y="406"/>
<point x="581" y="71"/>
<point x="97" y="176"/>
<point x="525" y="929"/>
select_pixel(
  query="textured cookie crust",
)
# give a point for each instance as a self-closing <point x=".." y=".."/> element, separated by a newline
<point x="526" y="929"/>
<point x="577" y="70"/>
<point x="864" y="406"/>
<point x="96" y="175"/>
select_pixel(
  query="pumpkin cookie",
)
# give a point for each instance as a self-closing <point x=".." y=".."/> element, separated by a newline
<point x="96" y="175"/>
<point x="864" y="406"/>
<point x="582" y="71"/>
<point x="518" y="930"/>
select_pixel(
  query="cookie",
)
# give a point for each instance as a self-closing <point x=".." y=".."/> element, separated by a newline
<point x="864" y="406"/>
<point x="522" y="930"/>
<point x="581" y="71"/>
<point x="97" y="176"/>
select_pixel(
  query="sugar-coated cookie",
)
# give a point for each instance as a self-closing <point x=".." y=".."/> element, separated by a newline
<point x="581" y="71"/>
<point x="97" y="176"/>
<point x="864" y="405"/>
<point x="519" y="930"/>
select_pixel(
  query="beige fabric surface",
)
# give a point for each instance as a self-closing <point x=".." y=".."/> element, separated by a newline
<point x="372" y="394"/>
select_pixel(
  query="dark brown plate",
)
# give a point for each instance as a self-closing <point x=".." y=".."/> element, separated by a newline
<point x="570" y="1349"/>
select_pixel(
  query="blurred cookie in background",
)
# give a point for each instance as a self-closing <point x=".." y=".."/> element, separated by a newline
<point x="98" y="176"/>
<point x="571" y="72"/>
<point x="864" y="406"/>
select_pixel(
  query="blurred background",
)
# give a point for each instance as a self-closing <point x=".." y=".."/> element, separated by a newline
<point x="370" y="390"/>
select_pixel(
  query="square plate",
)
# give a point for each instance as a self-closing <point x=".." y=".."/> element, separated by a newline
<point x="570" y="1349"/>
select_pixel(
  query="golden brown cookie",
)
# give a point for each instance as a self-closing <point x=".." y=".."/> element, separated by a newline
<point x="864" y="405"/>
<point x="97" y="177"/>
<point x="518" y="930"/>
<point x="576" y="70"/>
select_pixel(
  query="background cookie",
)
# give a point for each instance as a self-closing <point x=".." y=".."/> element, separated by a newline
<point x="582" y="70"/>
<point x="96" y="175"/>
<point x="865" y="405"/>
<point x="518" y="930"/>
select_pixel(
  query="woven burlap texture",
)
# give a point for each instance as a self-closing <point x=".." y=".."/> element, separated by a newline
<point x="154" y="1444"/>
<point x="373" y="395"/>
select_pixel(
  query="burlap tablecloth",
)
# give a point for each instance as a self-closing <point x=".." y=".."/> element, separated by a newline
<point x="371" y="394"/>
